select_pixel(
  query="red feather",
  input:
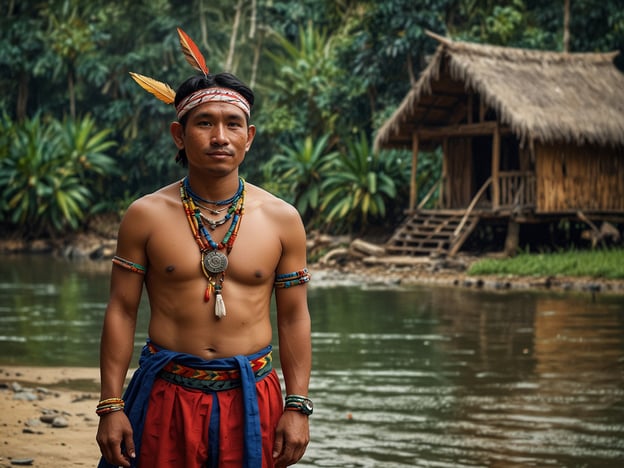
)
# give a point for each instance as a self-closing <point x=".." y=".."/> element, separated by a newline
<point x="192" y="53"/>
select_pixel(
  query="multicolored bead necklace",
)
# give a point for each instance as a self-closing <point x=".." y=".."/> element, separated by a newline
<point x="213" y="262"/>
<point x="214" y="223"/>
<point x="196" y="198"/>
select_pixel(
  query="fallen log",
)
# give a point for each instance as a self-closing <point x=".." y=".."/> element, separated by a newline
<point x="361" y="246"/>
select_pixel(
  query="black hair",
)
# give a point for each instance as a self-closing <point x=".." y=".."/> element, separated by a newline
<point x="197" y="82"/>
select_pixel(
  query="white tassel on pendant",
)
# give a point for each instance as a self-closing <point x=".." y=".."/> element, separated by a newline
<point x="219" y="306"/>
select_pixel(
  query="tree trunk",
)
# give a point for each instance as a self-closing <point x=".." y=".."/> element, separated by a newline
<point x="72" y="94"/>
<point x="252" y="26"/>
<point x="230" y="58"/>
<point x="203" y="27"/>
<point x="566" y="26"/>
<point x="22" y="97"/>
<point x="256" y="60"/>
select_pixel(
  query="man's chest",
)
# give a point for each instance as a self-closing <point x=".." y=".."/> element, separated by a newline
<point x="173" y="250"/>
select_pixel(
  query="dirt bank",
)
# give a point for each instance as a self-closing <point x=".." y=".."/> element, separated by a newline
<point x="343" y="261"/>
<point x="46" y="420"/>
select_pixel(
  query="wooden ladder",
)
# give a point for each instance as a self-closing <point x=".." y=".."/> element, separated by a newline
<point x="428" y="231"/>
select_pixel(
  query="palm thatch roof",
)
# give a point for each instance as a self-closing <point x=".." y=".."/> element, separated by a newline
<point x="542" y="96"/>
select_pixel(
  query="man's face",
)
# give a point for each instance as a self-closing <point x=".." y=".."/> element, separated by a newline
<point x="216" y="136"/>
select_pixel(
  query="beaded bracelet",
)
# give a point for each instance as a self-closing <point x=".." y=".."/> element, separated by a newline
<point x="110" y="405"/>
<point x="298" y="398"/>
<point x="299" y="403"/>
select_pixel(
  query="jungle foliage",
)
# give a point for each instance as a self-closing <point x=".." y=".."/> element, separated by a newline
<point x="78" y="136"/>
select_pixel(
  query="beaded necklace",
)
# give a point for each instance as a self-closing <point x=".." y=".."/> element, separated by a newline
<point x="213" y="262"/>
<point x="211" y="210"/>
<point x="213" y="223"/>
<point x="196" y="198"/>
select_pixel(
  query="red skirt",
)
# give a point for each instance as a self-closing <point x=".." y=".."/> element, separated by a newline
<point x="178" y="430"/>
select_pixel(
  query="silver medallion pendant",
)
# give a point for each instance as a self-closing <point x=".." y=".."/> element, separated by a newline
<point x="214" y="262"/>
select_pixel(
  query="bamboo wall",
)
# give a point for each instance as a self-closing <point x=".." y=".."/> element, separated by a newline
<point x="586" y="178"/>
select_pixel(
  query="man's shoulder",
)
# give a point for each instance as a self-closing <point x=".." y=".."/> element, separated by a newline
<point x="156" y="200"/>
<point x="265" y="199"/>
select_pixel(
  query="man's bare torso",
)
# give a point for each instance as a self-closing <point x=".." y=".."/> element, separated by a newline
<point x="180" y="318"/>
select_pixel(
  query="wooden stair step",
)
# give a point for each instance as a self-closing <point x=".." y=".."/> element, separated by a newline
<point x="418" y="248"/>
<point x="427" y="232"/>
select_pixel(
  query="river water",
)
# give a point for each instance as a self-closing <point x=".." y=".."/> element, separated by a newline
<point x="422" y="376"/>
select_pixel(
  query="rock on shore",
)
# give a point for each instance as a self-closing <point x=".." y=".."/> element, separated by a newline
<point x="45" y="426"/>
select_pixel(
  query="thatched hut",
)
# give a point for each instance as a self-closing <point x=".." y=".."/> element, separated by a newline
<point x="527" y="137"/>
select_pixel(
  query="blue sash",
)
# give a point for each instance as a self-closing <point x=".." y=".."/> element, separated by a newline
<point x="136" y="396"/>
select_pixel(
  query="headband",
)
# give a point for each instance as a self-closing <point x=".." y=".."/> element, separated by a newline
<point x="194" y="57"/>
<point x="212" y="95"/>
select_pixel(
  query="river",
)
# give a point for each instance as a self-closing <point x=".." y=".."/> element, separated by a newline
<point x="403" y="377"/>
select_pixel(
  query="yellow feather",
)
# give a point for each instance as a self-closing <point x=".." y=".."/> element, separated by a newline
<point x="159" y="89"/>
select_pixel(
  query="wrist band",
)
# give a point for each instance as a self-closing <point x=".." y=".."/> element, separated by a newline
<point x="109" y="405"/>
<point x="299" y="403"/>
<point x="300" y="398"/>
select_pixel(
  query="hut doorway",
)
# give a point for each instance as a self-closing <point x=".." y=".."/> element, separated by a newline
<point x="482" y="157"/>
<point x="482" y="162"/>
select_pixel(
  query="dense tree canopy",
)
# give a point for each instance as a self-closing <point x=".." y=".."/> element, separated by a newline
<point x="323" y="70"/>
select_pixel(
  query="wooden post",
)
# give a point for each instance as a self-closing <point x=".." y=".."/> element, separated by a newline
<point x="495" y="168"/>
<point x="413" y="183"/>
<point x="513" y="238"/>
<point x="445" y="191"/>
<point x="482" y="109"/>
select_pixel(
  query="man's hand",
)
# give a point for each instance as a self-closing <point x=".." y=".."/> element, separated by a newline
<point x="113" y="431"/>
<point x="291" y="438"/>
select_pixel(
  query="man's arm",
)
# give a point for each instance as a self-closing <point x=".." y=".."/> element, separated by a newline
<point x="295" y="347"/>
<point x="294" y="338"/>
<point x="116" y="348"/>
<point x="117" y="341"/>
<point x="293" y="433"/>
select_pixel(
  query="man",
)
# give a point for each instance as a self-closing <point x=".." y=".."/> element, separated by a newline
<point x="210" y="250"/>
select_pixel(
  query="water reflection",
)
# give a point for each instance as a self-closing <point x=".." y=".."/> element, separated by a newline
<point x="421" y="377"/>
<point x="48" y="309"/>
<point x="449" y="377"/>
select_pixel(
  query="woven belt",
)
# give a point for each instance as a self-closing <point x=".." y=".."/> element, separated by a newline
<point x="213" y="380"/>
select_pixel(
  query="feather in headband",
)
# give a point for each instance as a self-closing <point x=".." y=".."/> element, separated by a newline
<point x="163" y="91"/>
<point x="159" y="89"/>
<point x="194" y="57"/>
<point x="192" y="54"/>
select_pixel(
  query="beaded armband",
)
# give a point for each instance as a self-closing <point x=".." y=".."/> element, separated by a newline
<point x="292" y="279"/>
<point x="128" y="265"/>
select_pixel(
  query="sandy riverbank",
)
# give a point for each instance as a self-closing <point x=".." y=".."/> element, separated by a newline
<point x="453" y="274"/>
<point x="30" y="394"/>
